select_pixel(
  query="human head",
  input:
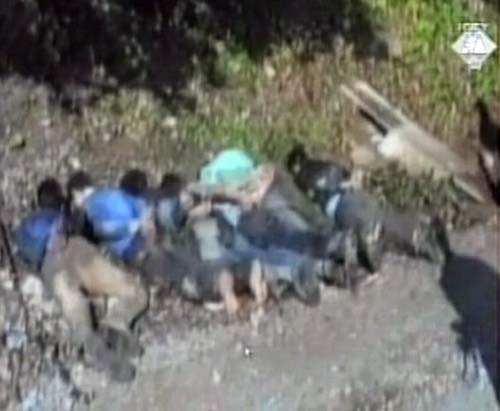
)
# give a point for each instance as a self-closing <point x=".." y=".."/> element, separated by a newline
<point x="79" y="186"/>
<point x="171" y="185"/>
<point x="295" y="158"/>
<point x="134" y="182"/>
<point x="50" y="194"/>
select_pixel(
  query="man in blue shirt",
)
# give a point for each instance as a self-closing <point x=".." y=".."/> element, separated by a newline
<point x="122" y="223"/>
<point x="72" y="270"/>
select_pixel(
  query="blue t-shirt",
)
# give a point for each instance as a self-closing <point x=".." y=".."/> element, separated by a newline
<point x="115" y="217"/>
<point x="35" y="234"/>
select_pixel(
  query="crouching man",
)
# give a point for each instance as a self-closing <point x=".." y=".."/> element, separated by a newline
<point x="73" y="272"/>
<point x="349" y="208"/>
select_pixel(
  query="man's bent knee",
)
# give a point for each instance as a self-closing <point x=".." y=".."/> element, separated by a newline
<point x="74" y="306"/>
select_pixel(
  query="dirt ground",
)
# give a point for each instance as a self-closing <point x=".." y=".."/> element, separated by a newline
<point x="389" y="348"/>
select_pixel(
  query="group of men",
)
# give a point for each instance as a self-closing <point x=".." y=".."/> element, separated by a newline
<point x="242" y="227"/>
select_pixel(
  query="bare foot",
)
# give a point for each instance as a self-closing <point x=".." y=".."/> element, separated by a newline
<point x="226" y="287"/>
<point x="258" y="284"/>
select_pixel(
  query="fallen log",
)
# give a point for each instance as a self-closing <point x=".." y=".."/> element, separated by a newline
<point x="400" y="139"/>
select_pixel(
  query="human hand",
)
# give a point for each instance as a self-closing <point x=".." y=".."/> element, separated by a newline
<point x="258" y="187"/>
<point x="186" y="200"/>
<point x="201" y="210"/>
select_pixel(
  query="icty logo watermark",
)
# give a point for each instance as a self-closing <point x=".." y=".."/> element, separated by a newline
<point x="474" y="46"/>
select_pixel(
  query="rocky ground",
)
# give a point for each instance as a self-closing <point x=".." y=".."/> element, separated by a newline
<point x="392" y="347"/>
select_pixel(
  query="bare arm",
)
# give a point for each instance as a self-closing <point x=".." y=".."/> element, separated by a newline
<point x="199" y="211"/>
<point x="219" y="192"/>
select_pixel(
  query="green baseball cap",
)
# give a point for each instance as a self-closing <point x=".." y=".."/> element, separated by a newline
<point x="229" y="167"/>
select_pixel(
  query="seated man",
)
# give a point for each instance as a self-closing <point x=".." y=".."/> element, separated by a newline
<point x="121" y="222"/>
<point x="125" y="219"/>
<point x="327" y="182"/>
<point x="175" y="205"/>
<point x="73" y="270"/>
<point x="175" y="267"/>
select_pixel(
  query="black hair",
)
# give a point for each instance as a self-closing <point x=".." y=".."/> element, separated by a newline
<point x="296" y="156"/>
<point x="49" y="194"/>
<point x="79" y="180"/>
<point x="171" y="184"/>
<point x="134" y="181"/>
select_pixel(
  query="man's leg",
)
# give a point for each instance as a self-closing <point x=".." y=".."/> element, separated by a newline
<point x="285" y="269"/>
<point x="98" y="276"/>
<point x="76" y="311"/>
<point x="258" y="284"/>
<point x="361" y="212"/>
<point x="226" y="288"/>
<point x="74" y="305"/>
<point x="277" y="228"/>
<point x="127" y="297"/>
<point x="415" y="234"/>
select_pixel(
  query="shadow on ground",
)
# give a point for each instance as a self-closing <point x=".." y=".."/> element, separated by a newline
<point x="471" y="286"/>
<point x="104" y="45"/>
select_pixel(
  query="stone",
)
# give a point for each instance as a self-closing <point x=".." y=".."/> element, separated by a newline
<point x="32" y="289"/>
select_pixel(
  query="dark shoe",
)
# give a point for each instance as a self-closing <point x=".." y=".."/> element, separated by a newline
<point x="431" y="242"/>
<point x="371" y="245"/>
<point x="350" y="266"/>
<point x="344" y="261"/>
<point x="124" y="344"/>
<point x="277" y="288"/>
<point x="121" y="371"/>
<point x="306" y="286"/>
<point x="101" y="357"/>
